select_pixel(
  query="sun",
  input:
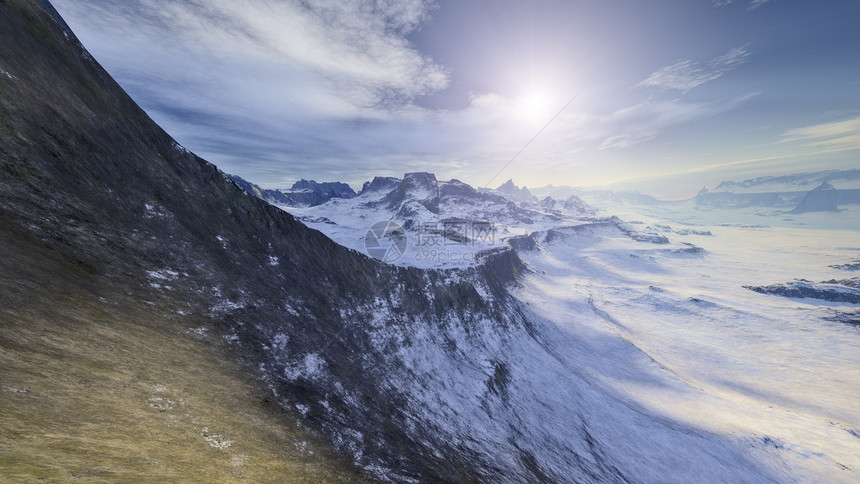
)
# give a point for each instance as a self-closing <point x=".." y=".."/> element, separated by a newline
<point x="535" y="105"/>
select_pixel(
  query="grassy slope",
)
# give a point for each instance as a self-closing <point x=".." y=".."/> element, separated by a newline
<point x="100" y="376"/>
<point x="96" y="383"/>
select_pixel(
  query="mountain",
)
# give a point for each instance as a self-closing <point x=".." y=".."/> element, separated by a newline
<point x="519" y="194"/>
<point x="304" y="193"/>
<point x="159" y="323"/>
<point x="798" y="182"/>
<point x="310" y="193"/>
<point x="785" y="192"/>
<point x="445" y="223"/>
<point x="379" y="183"/>
<point x="823" y="198"/>
<point x="152" y="308"/>
<point x="846" y="290"/>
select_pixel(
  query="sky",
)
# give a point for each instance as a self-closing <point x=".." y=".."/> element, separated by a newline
<point x="664" y="96"/>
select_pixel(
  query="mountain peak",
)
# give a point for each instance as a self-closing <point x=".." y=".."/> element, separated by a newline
<point x="521" y="194"/>
<point x="823" y="198"/>
<point x="420" y="177"/>
<point x="380" y="183"/>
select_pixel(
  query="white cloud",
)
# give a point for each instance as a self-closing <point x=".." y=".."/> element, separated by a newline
<point x="834" y="136"/>
<point x="753" y="3"/>
<point x="275" y="91"/>
<point x="350" y="56"/>
<point x="686" y="74"/>
<point x="645" y="121"/>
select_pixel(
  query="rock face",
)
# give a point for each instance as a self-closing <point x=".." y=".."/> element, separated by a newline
<point x="576" y="204"/>
<point x="823" y="198"/>
<point x="304" y="193"/>
<point x="116" y="212"/>
<point x="851" y="266"/>
<point x="413" y="375"/>
<point x="516" y="193"/>
<point x="380" y="183"/>
<point x="844" y="291"/>
<point x="310" y="193"/>
<point x="797" y="193"/>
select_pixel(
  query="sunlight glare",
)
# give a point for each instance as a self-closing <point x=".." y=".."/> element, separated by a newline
<point x="535" y="105"/>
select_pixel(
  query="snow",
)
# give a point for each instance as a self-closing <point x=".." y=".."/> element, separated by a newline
<point x="680" y="337"/>
<point x="312" y="365"/>
<point x="154" y="210"/>
<point x="685" y="214"/>
<point x="159" y="279"/>
<point x="347" y="221"/>
<point x="845" y="180"/>
<point x="640" y="360"/>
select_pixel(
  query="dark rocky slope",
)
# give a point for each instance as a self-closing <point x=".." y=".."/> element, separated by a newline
<point x="118" y="215"/>
<point x="143" y="295"/>
<point x="304" y="193"/>
<point x="824" y="198"/>
<point x="842" y="291"/>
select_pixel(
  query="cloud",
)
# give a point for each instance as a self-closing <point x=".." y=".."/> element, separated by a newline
<point x="644" y="121"/>
<point x="271" y="90"/>
<point x="350" y="56"/>
<point x="834" y="136"/>
<point x="276" y="91"/>
<point x="753" y="3"/>
<point x="686" y="74"/>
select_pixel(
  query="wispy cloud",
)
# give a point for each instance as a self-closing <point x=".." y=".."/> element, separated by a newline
<point x="349" y="56"/>
<point x="278" y="90"/>
<point x="753" y="3"/>
<point x="834" y="136"/>
<point x="271" y="90"/>
<point x="645" y="121"/>
<point x="687" y="74"/>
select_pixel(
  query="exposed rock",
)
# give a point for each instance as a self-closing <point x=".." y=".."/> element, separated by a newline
<point x="304" y="193"/>
<point x="823" y="198"/>
<point x="846" y="290"/>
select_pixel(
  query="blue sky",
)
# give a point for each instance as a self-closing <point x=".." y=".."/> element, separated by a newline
<point x="668" y="95"/>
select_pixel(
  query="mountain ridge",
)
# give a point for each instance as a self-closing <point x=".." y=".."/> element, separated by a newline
<point x="136" y="272"/>
<point x="119" y="200"/>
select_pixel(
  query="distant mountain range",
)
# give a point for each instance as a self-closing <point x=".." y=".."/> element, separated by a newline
<point x="821" y="191"/>
<point x="304" y="193"/>
<point x="161" y="320"/>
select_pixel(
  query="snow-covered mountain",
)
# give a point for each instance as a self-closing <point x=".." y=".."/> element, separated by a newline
<point x="794" y="183"/>
<point x="513" y="192"/>
<point x="646" y="315"/>
<point x="822" y="191"/>
<point x="157" y="322"/>
<point x="304" y="193"/>
<point x="445" y="223"/>
<point x="824" y="199"/>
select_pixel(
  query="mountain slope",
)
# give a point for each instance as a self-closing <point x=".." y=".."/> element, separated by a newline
<point x="823" y="198"/>
<point x="109" y="203"/>
<point x="445" y="223"/>
<point x="146" y="299"/>
<point x="101" y="374"/>
<point x="303" y="193"/>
